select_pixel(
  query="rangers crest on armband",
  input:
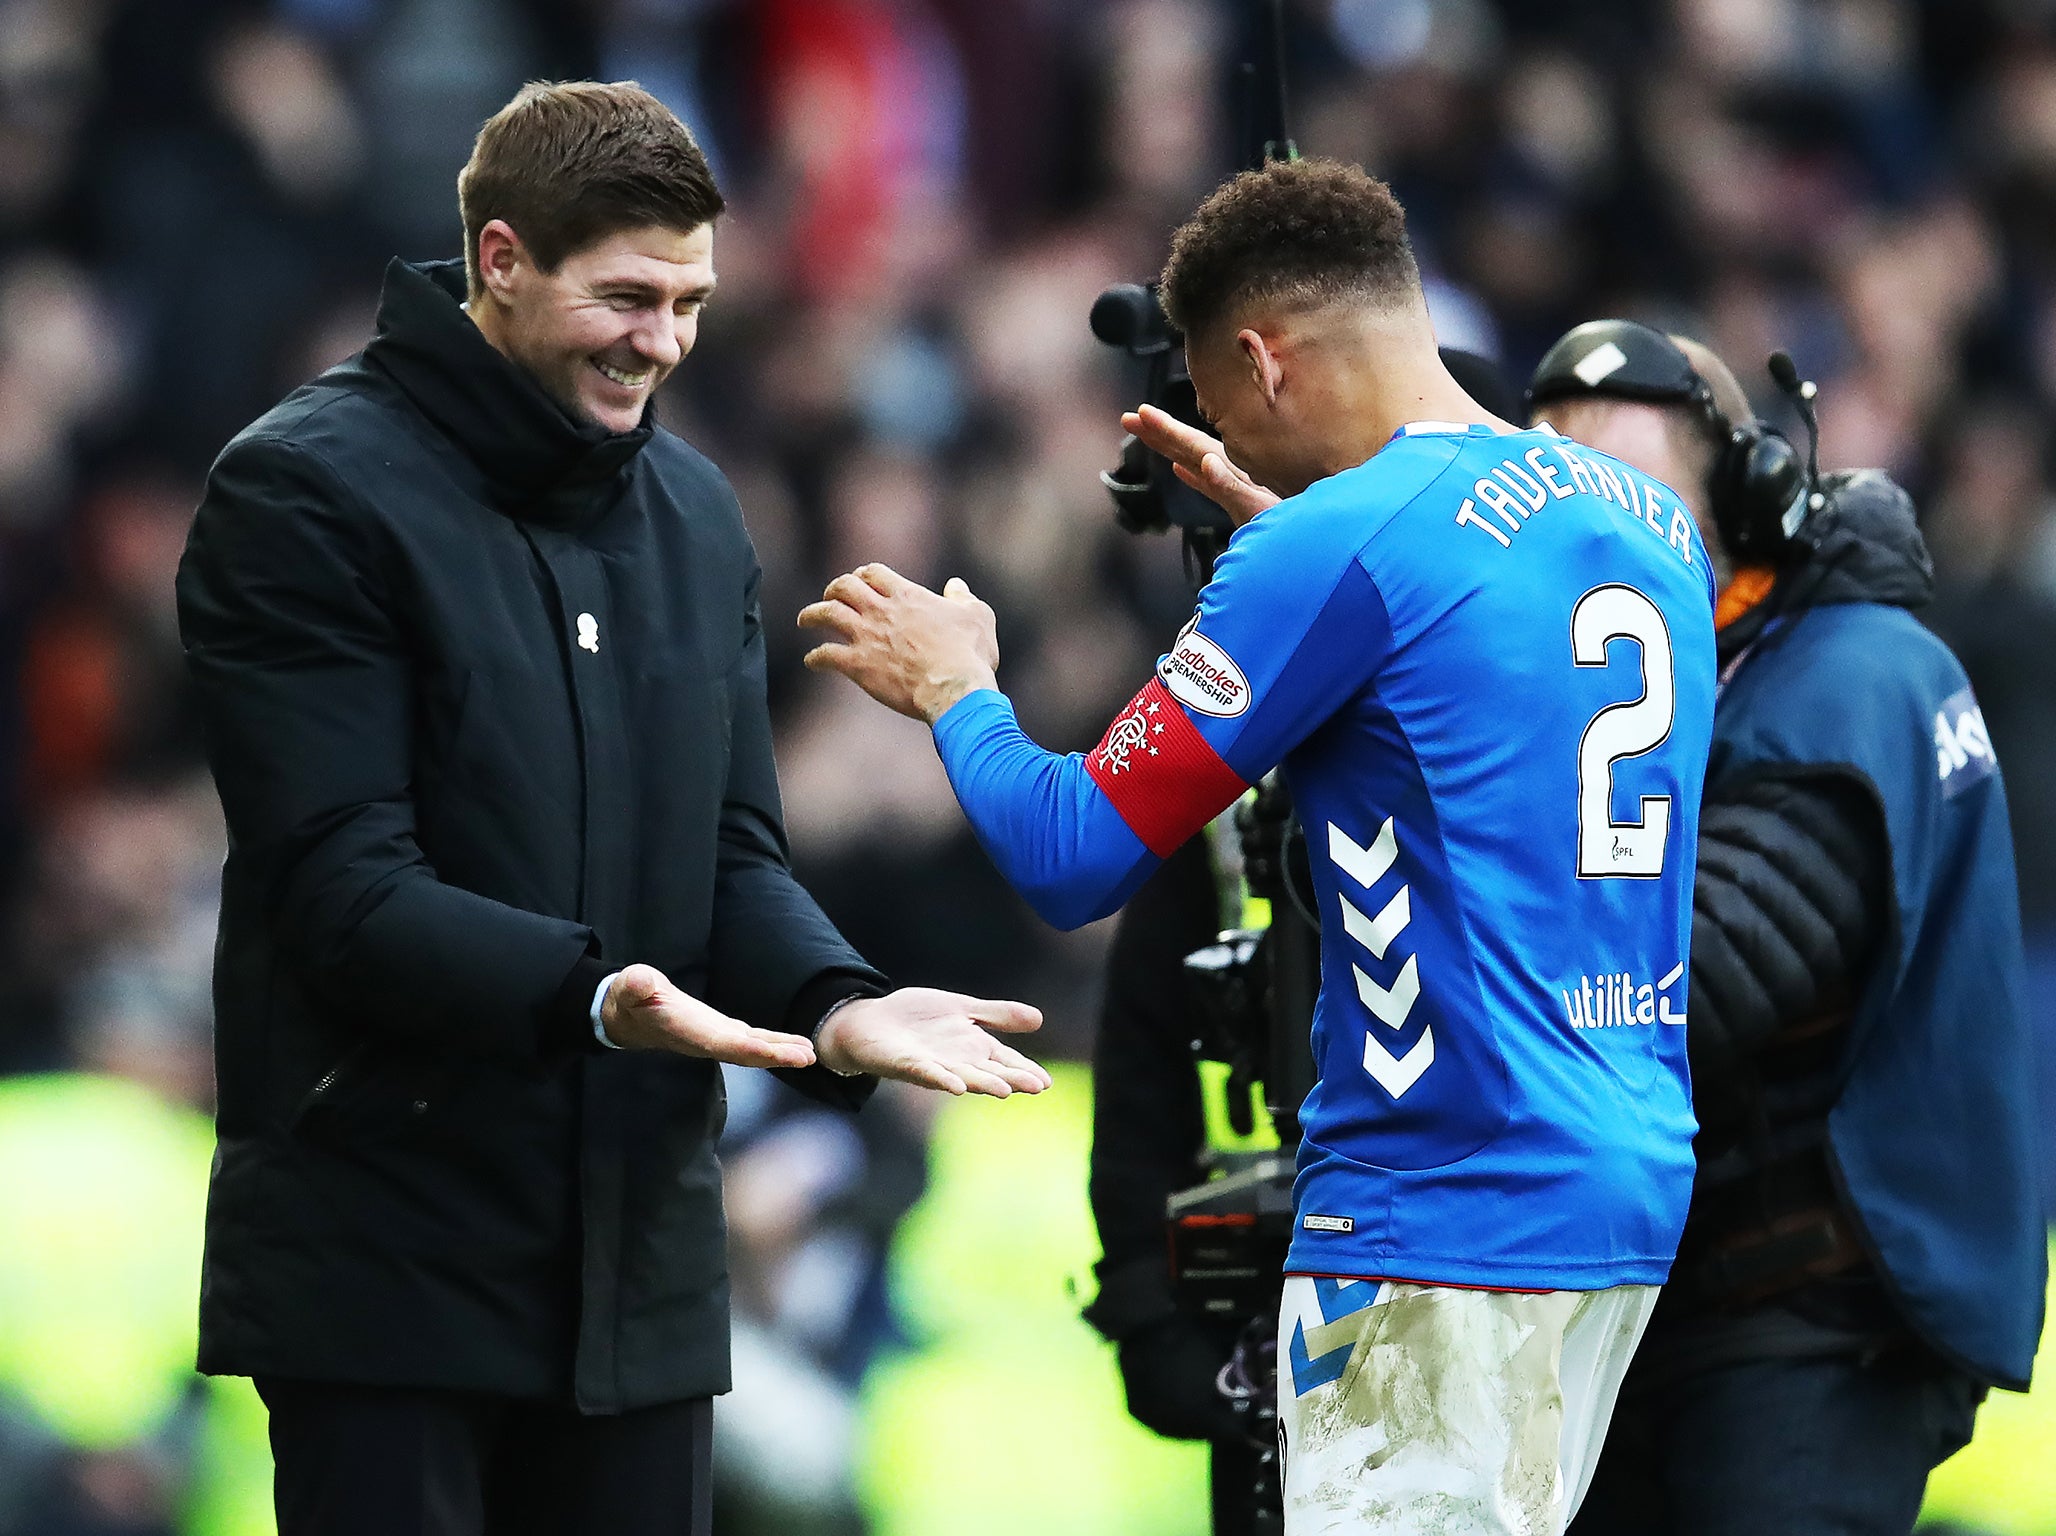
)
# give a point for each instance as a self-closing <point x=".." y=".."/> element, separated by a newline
<point x="1130" y="735"/>
<point x="1159" y="773"/>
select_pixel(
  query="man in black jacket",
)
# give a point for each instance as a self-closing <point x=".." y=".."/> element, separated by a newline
<point x="480" y="662"/>
<point x="1864" y="1255"/>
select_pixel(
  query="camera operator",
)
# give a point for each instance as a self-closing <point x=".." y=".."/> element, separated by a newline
<point x="1864" y="1255"/>
<point x="1159" y="1126"/>
<point x="1149" y="1140"/>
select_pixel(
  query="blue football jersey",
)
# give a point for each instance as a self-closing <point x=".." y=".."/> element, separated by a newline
<point x="1485" y="663"/>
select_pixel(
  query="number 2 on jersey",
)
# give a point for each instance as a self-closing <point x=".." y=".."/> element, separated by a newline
<point x="1609" y="849"/>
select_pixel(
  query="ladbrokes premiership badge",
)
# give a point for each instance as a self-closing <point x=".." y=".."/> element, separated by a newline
<point x="1204" y="677"/>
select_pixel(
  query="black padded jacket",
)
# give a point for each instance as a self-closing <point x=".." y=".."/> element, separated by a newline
<point x="484" y="699"/>
<point x="1790" y="905"/>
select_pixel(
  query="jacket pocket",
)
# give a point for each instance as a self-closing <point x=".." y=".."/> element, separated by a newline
<point x="368" y="1092"/>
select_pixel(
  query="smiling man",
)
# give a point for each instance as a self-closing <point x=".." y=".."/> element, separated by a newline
<point x="479" y="656"/>
<point x="598" y="312"/>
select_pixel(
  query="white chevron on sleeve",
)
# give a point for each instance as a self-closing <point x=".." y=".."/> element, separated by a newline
<point x="1366" y="866"/>
<point x="1375" y="933"/>
<point x="1396" y="1074"/>
<point x="1391" y="1004"/>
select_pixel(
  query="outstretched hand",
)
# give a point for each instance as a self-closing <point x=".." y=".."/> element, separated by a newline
<point x="643" y="1010"/>
<point x="936" y="1039"/>
<point x="1201" y="462"/>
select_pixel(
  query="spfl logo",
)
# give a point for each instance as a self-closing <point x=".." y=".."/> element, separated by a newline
<point x="1963" y="750"/>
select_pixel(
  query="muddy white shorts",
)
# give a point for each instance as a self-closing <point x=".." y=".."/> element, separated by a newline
<point x="1406" y="1410"/>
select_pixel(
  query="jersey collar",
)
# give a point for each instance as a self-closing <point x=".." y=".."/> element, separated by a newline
<point x="1445" y="429"/>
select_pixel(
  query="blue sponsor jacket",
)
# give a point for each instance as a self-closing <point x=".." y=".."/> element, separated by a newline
<point x="1931" y="1134"/>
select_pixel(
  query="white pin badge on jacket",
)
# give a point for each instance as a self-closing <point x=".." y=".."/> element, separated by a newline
<point x="589" y="633"/>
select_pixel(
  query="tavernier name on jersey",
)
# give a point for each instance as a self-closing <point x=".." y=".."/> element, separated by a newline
<point x="1485" y="664"/>
<point x="1516" y="489"/>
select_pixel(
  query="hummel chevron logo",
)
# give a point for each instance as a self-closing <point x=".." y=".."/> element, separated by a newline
<point x="1366" y="866"/>
<point x="1396" y="1074"/>
<point x="1375" y="933"/>
<point x="1336" y="1302"/>
<point x="1390" y="1005"/>
<point x="1310" y="1371"/>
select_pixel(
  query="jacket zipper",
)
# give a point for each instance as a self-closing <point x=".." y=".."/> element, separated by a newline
<point x="318" y="1092"/>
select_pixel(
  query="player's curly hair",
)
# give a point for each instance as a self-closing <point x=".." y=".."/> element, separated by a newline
<point x="1304" y="232"/>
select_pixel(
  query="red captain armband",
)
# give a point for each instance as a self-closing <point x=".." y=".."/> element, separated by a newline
<point x="1159" y="772"/>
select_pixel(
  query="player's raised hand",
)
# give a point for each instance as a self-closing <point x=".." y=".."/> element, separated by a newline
<point x="911" y="649"/>
<point x="645" y="1011"/>
<point x="936" y="1039"/>
<point x="1201" y="462"/>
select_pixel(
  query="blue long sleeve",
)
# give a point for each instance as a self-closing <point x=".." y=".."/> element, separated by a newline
<point x="1040" y="817"/>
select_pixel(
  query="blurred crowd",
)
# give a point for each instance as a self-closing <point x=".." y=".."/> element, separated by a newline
<point x="198" y="197"/>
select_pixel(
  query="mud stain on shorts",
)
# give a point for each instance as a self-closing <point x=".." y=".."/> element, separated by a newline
<point x="1439" y="1387"/>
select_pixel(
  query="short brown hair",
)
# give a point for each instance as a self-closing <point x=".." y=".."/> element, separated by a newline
<point x="1304" y="232"/>
<point x="567" y="163"/>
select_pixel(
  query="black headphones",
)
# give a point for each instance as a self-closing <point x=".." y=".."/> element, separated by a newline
<point x="1759" y="489"/>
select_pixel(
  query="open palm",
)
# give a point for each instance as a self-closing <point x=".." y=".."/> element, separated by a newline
<point x="645" y="1010"/>
<point x="936" y="1039"/>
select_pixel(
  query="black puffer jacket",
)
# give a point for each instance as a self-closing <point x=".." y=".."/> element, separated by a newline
<point x="484" y="699"/>
<point x="1791" y="892"/>
<point x="1791" y="901"/>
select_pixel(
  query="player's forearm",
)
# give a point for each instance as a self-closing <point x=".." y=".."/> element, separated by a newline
<point x="1039" y="816"/>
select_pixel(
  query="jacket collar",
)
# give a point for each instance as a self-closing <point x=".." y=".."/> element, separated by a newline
<point x="543" y="463"/>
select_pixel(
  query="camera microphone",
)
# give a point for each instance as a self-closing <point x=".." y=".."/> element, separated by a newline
<point x="1785" y="374"/>
<point x="1127" y="316"/>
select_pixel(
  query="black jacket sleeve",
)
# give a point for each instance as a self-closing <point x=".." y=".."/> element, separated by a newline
<point x="1791" y="899"/>
<point x="774" y="958"/>
<point x="306" y="694"/>
<point x="1148" y="1126"/>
